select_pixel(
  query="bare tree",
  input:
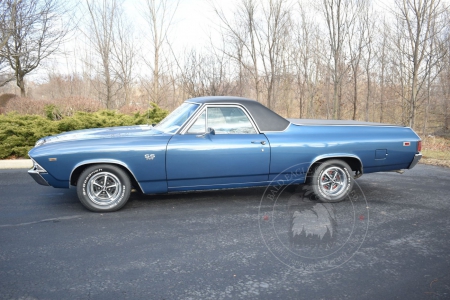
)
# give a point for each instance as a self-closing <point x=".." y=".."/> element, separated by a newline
<point x="102" y="19"/>
<point x="437" y="48"/>
<point x="7" y="15"/>
<point x="382" y="53"/>
<point x="242" y="39"/>
<point x="339" y="16"/>
<point x="356" y="45"/>
<point x="444" y="78"/>
<point x="307" y="60"/>
<point x="205" y="74"/>
<point x="37" y="31"/>
<point x="417" y="17"/>
<point x="159" y="16"/>
<point x="274" y="37"/>
<point x="235" y="48"/>
<point x="124" y="56"/>
<point x="370" y="23"/>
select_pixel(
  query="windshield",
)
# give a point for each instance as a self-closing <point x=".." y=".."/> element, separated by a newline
<point x="176" y="119"/>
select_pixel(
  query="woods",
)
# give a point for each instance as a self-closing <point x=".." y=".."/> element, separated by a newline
<point x="332" y="59"/>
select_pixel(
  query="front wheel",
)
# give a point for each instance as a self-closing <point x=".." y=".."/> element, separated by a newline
<point x="331" y="180"/>
<point x="103" y="188"/>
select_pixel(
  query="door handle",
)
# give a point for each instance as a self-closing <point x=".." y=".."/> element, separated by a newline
<point x="257" y="142"/>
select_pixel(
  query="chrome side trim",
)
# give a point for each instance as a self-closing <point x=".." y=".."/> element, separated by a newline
<point x="187" y="124"/>
<point x="205" y="106"/>
<point x="416" y="159"/>
<point x="348" y="125"/>
<point x="183" y="129"/>
<point x="221" y="184"/>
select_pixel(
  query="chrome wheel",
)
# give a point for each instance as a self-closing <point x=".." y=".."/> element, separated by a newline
<point x="104" y="188"/>
<point x="333" y="181"/>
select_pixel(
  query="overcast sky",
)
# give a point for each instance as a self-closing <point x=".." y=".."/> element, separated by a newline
<point x="193" y="25"/>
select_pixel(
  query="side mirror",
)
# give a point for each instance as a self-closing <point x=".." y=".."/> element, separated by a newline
<point x="208" y="131"/>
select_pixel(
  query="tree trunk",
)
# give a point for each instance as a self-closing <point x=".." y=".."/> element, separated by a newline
<point x="355" y="91"/>
<point x="107" y="82"/>
<point x="21" y="85"/>
<point x="336" y="101"/>
<point x="368" y="95"/>
<point x="412" y="105"/>
<point x="382" y="88"/>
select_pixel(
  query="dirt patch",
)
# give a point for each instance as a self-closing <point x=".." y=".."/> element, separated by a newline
<point x="436" y="151"/>
<point x="435" y="162"/>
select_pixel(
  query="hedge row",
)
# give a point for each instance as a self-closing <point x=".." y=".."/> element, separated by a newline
<point x="19" y="133"/>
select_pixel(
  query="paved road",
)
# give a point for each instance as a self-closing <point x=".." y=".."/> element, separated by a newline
<point x="389" y="241"/>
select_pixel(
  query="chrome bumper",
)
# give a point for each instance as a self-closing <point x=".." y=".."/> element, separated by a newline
<point x="416" y="159"/>
<point x="37" y="177"/>
<point x="36" y="172"/>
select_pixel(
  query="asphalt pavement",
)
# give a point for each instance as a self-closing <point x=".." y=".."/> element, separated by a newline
<point x="389" y="240"/>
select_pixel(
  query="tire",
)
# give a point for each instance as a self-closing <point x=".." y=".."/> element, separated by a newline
<point x="103" y="188"/>
<point x="331" y="181"/>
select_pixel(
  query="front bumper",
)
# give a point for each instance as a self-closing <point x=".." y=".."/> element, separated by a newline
<point x="37" y="177"/>
<point x="36" y="172"/>
<point x="416" y="159"/>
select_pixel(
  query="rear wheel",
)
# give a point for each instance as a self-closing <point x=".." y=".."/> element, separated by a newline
<point x="331" y="180"/>
<point x="103" y="188"/>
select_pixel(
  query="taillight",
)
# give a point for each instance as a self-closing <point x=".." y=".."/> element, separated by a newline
<point x="419" y="146"/>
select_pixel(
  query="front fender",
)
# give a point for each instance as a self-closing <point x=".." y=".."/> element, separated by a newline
<point x="76" y="171"/>
<point x="143" y="157"/>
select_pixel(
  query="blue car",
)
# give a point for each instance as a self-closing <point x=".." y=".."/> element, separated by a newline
<point x="220" y="142"/>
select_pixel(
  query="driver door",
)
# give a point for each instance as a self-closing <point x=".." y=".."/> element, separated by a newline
<point x="221" y="148"/>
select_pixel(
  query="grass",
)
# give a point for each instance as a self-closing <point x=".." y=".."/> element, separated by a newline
<point x="436" y="151"/>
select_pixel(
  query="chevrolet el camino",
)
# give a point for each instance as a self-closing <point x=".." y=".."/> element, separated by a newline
<point x="220" y="142"/>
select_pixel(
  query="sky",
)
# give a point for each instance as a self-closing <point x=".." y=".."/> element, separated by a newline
<point x="193" y="25"/>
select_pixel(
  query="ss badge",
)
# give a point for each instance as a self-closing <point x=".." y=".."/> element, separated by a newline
<point x="149" y="156"/>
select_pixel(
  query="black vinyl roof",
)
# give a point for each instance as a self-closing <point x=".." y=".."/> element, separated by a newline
<point x="266" y="119"/>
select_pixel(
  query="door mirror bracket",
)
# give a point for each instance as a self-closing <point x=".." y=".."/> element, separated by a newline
<point x="209" y="131"/>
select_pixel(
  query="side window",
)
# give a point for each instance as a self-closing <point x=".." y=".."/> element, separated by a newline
<point x="229" y="120"/>
<point x="199" y="126"/>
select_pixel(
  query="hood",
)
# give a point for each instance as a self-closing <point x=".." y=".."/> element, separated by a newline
<point x="97" y="133"/>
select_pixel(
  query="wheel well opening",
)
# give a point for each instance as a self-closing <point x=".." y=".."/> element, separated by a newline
<point x="353" y="162"/>
<point x="77" y="172"/>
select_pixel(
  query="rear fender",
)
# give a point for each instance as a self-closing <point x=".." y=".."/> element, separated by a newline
<point x="351" y="159"/>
